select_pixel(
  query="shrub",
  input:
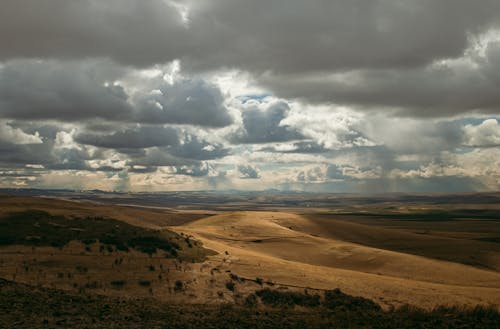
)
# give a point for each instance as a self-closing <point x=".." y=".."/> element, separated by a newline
<point x="178" y="286"/>
<point x="288" y="298"/>
<point x="335" y="298"/>
<point x="230" y="285"/>
<point x="118" y="283"/>
<point x="251" y="300"/>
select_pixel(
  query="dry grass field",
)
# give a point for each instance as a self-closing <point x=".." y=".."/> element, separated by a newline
<point x="298" y="251"/>
<point x="392" y="256"/>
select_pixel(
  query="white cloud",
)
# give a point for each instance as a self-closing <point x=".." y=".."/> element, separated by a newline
<point x="16" y="135"/>
<point x="483" y="135"/>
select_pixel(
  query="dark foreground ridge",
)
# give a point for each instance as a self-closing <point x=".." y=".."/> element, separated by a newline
<point x="39" y="228"/>
<point x="23" y="306"/>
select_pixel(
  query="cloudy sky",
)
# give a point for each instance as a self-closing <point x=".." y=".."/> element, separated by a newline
<point x="322" y="96"/>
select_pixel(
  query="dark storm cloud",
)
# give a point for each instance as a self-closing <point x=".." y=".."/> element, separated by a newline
<point x="159" y="157"/>
<point x="193" y="147"/>
<point x="74" y="91"/>
<point x="299" y="36"/>
<point x="383" y="46"/>
<point x="15" y="155"/>
<point x="128" y="31"/>
<point x="264" y="126"/>
<point x="262" y="35"/>
<point x="194" y="102"/>
<point x="18" y="156"/>
<point x="248" y="172"/>
<point x="45" y="130"/>
<point x="439" y="90"/>
<point x="138" y="137"/>
<point x="72" y="96"/>
<point x="67" y="91"/>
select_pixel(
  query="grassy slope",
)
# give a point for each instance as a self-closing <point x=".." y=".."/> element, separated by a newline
<point x="22" y="306"/>
<point x="39" y="228"/>
<point x="277" y="247"/>
<point x="444" y="235"/>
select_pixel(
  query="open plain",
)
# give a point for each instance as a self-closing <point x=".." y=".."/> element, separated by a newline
<point x="391" y="251"/>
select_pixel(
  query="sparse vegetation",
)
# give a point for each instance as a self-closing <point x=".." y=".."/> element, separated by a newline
<point x="39" y="228"/>
<point x="120" y="270"/>
<point x="335" y="298"/>
<point x="287" y="298"/>
<point x="22" y="307"/>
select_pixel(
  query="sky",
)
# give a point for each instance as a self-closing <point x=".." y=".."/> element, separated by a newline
<point x="340" y="96"/>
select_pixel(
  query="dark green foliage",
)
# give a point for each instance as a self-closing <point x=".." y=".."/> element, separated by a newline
<point x="39" y="228"/>
<point x="287" y="298"/>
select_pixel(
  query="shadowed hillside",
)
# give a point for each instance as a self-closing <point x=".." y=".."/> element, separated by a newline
<point x="22" y="306"/>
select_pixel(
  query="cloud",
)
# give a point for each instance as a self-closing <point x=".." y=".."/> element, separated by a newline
<point x="265" y="125"/>
<point x="312" y="175"/>
<point x="486" y="134"/>
<point x="328" y="95"/>
<point x="158" y="157"/>
<point x="128" y="31"/>
<point x="193" y="147"/>
<point x="329" y="128"/>
<point x="256" y="36"/>
<point x="412" y="136"/>
<point x="438" y="90"/>
<point x="199" y="170"/>
<point x="334" y="172"/>
<point x="409" y="56"/>
<point x="185" y="101"/>
<point x="9" y="134"/>
<point x="296" y="147"/>
<point x="68" y="91"/>
<point x="248" y="172"/>
<point x="130" y="138"/>
<point x="88" y="90"/>
<point x="297" y="37"/>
